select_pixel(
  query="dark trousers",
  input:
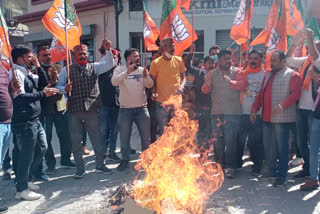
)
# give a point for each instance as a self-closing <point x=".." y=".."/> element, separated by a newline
<point x="32" y="145"/>
<point x="152" y="108"/>
<point x="60" y="121"/>
<point x="6" y="161"/>
<point x="304" y="127"/>
<point x="204" y="130"/>
<point x="252" y="134"/>
<point x="226" y="130"/>
<point x="91" y="123"/>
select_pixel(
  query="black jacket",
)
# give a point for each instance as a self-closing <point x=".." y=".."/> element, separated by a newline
<point x="26" y="106"/>
<point x="109" y="93"/>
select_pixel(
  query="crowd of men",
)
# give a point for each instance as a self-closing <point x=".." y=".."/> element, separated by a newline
<point x="234" y="105"/>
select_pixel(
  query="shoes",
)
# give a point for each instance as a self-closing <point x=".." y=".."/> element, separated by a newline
<point x="67" y="165"/>
<point x="133" y="151"/>
<point x="309" y="185"/>
<point x="296" y="162"/>
<point x="124" y="164"/>
<point x="229" y="173"/>
<point x="3" y="210"/>
<point x="27" y="195"/>
<point x="104" y="170"/>
<point x="42" y="177"/>
<point x="79" y="173"/>
<point x="302" y="174"/>
<point x="7" y="175"/>
<point x="85" y="151"/>
<point x="113" y="157"/>
<point x="50" y="171"/>
<point x="33" y="187"/>
<point x="265" y="175"/>
<point x="278" y="182"/>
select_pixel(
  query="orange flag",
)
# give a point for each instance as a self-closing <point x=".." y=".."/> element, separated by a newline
<point x="278" y="36"/>
<point x="294" y="20"/>
<point x="185" y="4"/>
<point x="4" y="43"/>
<point x="241" y="28"/>
<point x="58" y="51"/>
<point x="150" y="33"/>
<point x="54" y="21"/>
<point x="175" y="24"/>
<point x="270" y="23"/>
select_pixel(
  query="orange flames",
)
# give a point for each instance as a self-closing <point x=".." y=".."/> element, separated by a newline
<point x="175" y="169"/>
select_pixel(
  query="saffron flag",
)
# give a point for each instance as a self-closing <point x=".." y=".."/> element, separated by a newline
<point x="270" y="23"/>
<point x="294" y="19"/>
<point x="241" y="28"/>
<point x="58" y="51"/>
<point x="277" y="39"/>
<point x="174" y="24"/>
<point x="54" y="21"/>
<point x="185" y="4"/>
<point x="4" y="43"/>
<point x="150" y="33"/>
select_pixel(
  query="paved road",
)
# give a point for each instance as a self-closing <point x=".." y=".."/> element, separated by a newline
<point x="245" y="194"/>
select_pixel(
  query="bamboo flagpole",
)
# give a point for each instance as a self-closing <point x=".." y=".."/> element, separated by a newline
<point x="66" y="31"/>
<point x="14" y="77"/>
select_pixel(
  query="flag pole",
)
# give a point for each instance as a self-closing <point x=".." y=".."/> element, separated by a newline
<point x="144" y="42"/>
<point x="14" y="77"/>
<point x="66" y="32"/>
<point x="249" y="31"/>
<point x="192" y="20"/>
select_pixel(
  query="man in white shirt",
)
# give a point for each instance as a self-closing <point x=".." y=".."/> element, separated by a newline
<point x="132" y="81"/>
<point x="306" y="102"/>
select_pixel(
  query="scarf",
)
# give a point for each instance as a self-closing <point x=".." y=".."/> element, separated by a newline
<point x="307" y="79"/>
<point x="82" y="63"/>
<point x="249" y="70"/>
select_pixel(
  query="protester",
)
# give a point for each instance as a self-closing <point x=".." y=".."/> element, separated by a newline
<point x="224" y="84"/>
<point x="108" y="114"/>
<point x="304" y="111"/>
<point x="6" y="111"/>
<point x="202" y="101"/>
<point x="214" y="50"/>
<point x="54" y="112"/>
<point x="254" y="74"/>
<point x="84" y="103"/>
<point x="132" y="81"/>
<point x="279" y="92"/>
<point x="168" y="75"/>
<point x="30" y="135"/>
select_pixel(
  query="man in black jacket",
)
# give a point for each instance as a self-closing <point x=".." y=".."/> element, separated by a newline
<point x="30" y="136"/>
<point x="54" y="112"/>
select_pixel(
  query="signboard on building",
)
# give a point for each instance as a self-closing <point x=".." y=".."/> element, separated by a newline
<point x="225" y="7"/>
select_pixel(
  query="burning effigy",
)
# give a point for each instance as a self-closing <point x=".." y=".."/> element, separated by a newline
<point x="174" y="168"/>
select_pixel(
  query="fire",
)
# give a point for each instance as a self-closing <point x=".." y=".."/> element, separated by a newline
<point x="173" y="167"/>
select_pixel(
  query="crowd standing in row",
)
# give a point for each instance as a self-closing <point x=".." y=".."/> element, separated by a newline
<point x="234" y="106"/>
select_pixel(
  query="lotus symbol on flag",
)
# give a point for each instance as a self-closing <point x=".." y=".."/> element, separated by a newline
<point x="59" y="19"/>
<point x="146" y="31"/>
<point x="179" y="30"/>
<point x="240" y="15"/>
<point x="274" y="40"/>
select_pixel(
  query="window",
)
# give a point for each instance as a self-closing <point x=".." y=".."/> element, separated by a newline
<point x="199" y="53"/>
<point x="90" y="44"/>
<point x="136" y="41"/>
<point x="135" y="5"/>
<point x="39" y="1"/>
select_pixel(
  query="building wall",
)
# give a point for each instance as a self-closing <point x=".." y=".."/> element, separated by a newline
<point x="207" y="17"/>
<point x="103" y="19"/>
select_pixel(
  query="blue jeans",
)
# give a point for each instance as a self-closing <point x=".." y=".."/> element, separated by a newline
<point x="314" y="149"/>
<point x="276" y="148"/>
<point x="32" y="145"/>
<point x="108" y="117"/>
<point x="225" y="131"/>
<point x="5" y="136"/>
<point x="254" y="134"/>
<point x="164" y="115"/>
<point x="141" y="118"/>
<point x="304" y="124"/>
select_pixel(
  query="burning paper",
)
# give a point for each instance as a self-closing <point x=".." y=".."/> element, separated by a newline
<point x="174" y="169"/>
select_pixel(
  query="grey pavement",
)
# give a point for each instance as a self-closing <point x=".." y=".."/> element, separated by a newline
<point x="244" y="194"/>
